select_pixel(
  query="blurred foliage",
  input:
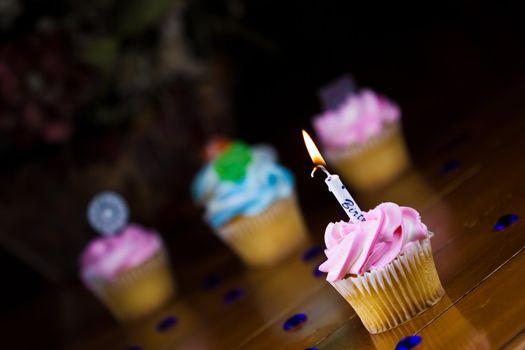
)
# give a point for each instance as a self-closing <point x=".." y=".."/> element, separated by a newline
<point x="101" y="53"/>
<point x="136" y="16"/>
<point x="135" y="54"/>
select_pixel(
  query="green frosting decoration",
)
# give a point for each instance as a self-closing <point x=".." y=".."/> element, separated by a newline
<point x="231" y="165"/>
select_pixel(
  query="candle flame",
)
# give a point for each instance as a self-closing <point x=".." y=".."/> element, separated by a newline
<point x="314" y="153"/>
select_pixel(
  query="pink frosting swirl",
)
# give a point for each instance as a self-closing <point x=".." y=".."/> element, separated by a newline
<point x="389" y="230"/>
<point x="359" y="117"/>
<point x="106" y="257"/>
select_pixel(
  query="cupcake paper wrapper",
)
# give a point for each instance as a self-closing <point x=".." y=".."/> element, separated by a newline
<point x="387" y="297"/>
<point x="375" y="163"/>
<point x="269" y="236"/>
<point x="138" y="291"/>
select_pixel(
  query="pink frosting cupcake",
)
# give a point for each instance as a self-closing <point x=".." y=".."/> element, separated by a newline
<point x="383" y="266"/>
<point x="107" y="257"/>
<point x="360" y="117"/>
<point x="363" y="139"/>
<point x="128" y="271"/>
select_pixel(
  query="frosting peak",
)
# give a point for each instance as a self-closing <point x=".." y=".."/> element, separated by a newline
<point x="389" y="230"/>
<point x="359" y="117"/>
<point x="106" y="257"/>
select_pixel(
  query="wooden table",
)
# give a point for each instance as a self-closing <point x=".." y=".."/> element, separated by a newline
<point x="473" y="175"/>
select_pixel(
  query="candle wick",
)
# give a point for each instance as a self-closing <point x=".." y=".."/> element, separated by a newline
<point x="319" y="167"/>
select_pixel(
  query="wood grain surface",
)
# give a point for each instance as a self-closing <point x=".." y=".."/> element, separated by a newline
<point x="471" y="176"/>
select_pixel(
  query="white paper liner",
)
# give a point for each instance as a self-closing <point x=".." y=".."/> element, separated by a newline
<point x="269" y="236"/>
<point x="387" y="297"/>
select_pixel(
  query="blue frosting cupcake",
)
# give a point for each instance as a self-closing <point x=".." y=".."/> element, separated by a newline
<point x="241" y="181"/>
<point x="244" y="192"/>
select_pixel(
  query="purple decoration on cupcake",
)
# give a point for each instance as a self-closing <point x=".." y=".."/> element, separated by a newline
<point x="233" y="295"/>
<point x="311" y="349"/>
<point x="107" y="213"/>
<point x="334" y="93"/>
<point x="409" y="342"/>
<point x="166" y="323"/>
<point x="295" y="322"/>
<point x="312" y="253"/>
<point x="505" y="221"/>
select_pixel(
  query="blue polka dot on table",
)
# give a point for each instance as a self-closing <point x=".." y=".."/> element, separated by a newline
<point x="312" y="253"/>
<point x="166" y="323"/>
<point x="107" y="213"/>
<point x="409" y="342"/>
<point x="450" y="166"/>
<point x="505" y="221"/>
<point x="318" y="273"/>
<point x="233" y="295"/>
<point x="211" y="281"/>
<point x="295" y="322"/>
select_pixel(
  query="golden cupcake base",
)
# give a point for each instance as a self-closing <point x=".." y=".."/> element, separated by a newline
<point x="387" y="297"/>
<point x="139" y="291"/>
<point x="268" y="237"/>
<point x="374" y="164"/>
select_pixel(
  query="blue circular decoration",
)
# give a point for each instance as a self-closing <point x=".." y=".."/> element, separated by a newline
<point x="408" y="342"/>
<point x="234" y="295"/>
<point x="312" y="253"/>
<point x="450" y="166"/>
<point x="505" y="221"/>
<point x="318" y="273"/>
<point x="166" y="323"/>
<point x="211" y="281"/>
<point x="107" y="213"/>
<point x="295" y="322"/>
<point x="311" y="349"/>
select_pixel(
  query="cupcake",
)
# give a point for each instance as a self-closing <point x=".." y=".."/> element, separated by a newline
<point x="128" y="268"/>
<point x="383" y="266"/>
<point x="362" y="138"/>
<point x="250" y="202"/>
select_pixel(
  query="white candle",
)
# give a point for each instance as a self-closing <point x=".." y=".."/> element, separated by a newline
<point x="345" y="199"/>
<point x="334" y="183"/>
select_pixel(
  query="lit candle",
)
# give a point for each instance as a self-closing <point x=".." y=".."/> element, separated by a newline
<point x="334" y="183"/>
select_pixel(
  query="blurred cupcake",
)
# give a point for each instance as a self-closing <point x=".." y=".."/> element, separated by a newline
<point x="128" y="269"/>
<point x="383" y="266"/>
<point x="250" y="202"/>
<point x="362" y="138"/>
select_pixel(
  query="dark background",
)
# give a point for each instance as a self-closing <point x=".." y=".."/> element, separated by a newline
<point x="264" y="62"/>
